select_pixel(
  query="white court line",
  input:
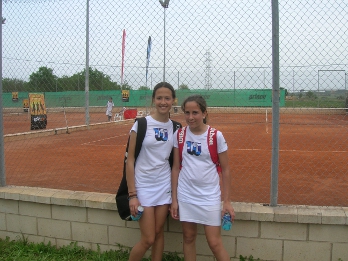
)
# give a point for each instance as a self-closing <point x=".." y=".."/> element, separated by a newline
<point x="95" y="141"/>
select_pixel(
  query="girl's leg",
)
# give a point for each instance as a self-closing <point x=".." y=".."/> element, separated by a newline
<point x="147" y="230"/>
<point x="189" y="237"/>
<point x="161" y="213"/>
<point x="213" y="235"/>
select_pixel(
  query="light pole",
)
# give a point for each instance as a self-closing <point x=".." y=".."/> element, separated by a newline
<point x="165" y="5"/>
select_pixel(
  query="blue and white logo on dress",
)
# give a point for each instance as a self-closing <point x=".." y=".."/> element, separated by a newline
<point x="194" y="148"/>
<point x="161" y="134"/>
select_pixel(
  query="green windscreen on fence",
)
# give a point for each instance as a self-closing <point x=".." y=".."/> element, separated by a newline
<point x="143" y="98"/>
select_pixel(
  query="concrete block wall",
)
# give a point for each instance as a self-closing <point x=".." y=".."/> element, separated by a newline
<point x="284" y="233"/>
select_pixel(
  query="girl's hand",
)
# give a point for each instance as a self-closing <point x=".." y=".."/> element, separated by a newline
<point x="133" y="206"/>
<point x="227" y="207"/>
<point x="174" y="210"/>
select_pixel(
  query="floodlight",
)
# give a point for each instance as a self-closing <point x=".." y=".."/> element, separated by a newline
<point x="164" y="3"/>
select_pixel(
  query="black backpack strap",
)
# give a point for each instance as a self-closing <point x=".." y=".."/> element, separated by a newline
<point x="176" y="125"/>
<point x="142" y="126"/>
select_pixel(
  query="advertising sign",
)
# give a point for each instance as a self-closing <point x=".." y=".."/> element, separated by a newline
<point x="125" y="95"/>
<point x="37" y="110"/>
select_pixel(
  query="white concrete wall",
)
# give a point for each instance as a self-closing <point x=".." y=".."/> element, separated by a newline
<point x="284" y="233"/>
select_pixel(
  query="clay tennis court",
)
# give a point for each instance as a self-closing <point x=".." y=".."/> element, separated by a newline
<point x="313" y="153"/>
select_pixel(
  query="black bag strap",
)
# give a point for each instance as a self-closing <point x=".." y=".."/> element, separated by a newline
<point x="176" y="125"/>
<point x="142" y="125"/>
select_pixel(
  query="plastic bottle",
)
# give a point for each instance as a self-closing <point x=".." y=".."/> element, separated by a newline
<point x="226" y="222"/>
<point x="138" y="216"/>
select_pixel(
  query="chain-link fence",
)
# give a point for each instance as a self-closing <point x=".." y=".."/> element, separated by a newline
<point x="220" y="49"/>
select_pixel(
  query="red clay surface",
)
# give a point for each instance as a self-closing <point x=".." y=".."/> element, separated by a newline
<point x="313" y="153"/>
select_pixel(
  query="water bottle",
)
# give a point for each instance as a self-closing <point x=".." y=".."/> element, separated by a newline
<point x="138" y="216"/>
<point x="226" y="222"/>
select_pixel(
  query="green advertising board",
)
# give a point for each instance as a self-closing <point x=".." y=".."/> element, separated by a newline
<point x="143" y="98"/>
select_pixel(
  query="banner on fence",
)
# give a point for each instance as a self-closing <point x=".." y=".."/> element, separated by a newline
<point x="125" y="95"/>
<point x="37" y="108"/>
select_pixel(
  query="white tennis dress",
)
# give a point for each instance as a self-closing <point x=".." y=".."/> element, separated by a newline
<point x="152" y="170"/>
<point x="199" y="194"/>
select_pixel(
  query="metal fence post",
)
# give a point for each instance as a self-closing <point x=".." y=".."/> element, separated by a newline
<point x="2" y="145"/>
<point x="275" y="103"/>
<point x="87" y="66"/>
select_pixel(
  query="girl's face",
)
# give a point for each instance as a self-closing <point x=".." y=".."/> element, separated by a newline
<point x="163" y="100"/>
<point x="193" y="115"/>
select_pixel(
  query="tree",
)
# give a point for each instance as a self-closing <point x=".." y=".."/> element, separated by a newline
<point x="45" y="81"/>
<point x="97" y="81"/>
<point x="144" y="88"/>
<point x="66" y="83"/>
<point x="100" y="81"/>
<point x="76" y="82"/>
<point x="42" y="81"/>
<point x="13" y="85"/>
<point x="183" y="87"/>
<point x="126" y="86"/>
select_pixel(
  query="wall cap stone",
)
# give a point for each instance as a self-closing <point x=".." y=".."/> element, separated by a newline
<point x="244" y="211"/>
